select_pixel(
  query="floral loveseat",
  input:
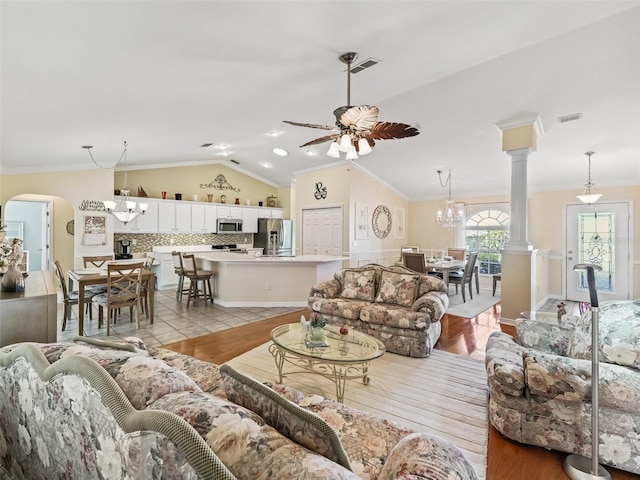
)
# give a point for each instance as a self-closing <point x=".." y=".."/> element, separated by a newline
<point x="540" y="384"/>
<point x="398" y="306"/>
<point x="115" y="410"/>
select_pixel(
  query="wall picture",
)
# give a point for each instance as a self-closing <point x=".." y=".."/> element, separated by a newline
<point x="362" y="222"/>
<point x="398" y="222"/>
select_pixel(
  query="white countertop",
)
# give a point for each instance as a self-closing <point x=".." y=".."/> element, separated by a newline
<point x="183" y="248"/>
<point x="231" y="257"/>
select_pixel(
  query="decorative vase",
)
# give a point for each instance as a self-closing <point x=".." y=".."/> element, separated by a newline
<point x="316" y="334"/>
<point x="12" y="280"/>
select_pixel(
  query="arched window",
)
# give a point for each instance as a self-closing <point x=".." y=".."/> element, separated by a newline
<point x="487" y="232"/>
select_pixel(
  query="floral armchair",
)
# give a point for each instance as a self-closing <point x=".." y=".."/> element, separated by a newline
<point x="540" y="384"/>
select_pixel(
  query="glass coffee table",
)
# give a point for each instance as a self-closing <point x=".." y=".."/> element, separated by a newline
<point x="345" y="357"/>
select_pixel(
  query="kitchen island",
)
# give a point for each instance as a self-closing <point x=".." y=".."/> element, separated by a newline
<point x="244" y="280"/>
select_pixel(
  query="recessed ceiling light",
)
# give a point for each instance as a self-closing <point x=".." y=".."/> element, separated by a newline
<point x="226" y="153"/>
<point x="275" y="133"/>
<point x="281" y="152"/>
<point x="266" y="164"/>
<point x="223" y="146"/>
<point x="311" y="153"/>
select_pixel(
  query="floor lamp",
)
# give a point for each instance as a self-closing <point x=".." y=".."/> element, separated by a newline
<point x="579" y="467"/>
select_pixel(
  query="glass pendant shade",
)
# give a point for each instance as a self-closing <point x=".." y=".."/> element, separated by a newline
<point x="351" y="153"/>
<point x="334" y="150"/>
<point x="364" y="147"/>
<point x="345" y="143"/>
<point x="590" y="194"/>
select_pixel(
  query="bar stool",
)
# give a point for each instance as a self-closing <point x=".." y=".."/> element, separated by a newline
<point x="497" y="277"/>
<point x="194" y="275"/>
<point x="178" y="268"/>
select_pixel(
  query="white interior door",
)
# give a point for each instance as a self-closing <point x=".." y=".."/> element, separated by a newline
<point x="322" y="231"/>
<point x="598" y="234"/>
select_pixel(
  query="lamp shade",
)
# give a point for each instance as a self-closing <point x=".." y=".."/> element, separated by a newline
<point x="364" y="147"/>
<point x="334" y="150"/>
<point x="345" y="142"/>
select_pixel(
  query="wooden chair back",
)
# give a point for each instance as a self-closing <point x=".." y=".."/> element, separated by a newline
<point x="408" y="249"/>
<point x="457" y="253"/>
<point x="124" y="281"/>
<point x="98" y="261"/>
<point x="415" y="262"/>
<point x="178" y="265"/>
<point x="60" y="276"/>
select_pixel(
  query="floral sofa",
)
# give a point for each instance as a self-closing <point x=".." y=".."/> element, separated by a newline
<point x="92" y="409"/>
<point x="540" y="384"/>
<point x="398" y="306"/>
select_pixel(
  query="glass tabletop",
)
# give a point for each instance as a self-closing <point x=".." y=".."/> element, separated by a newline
<point x="354" y="347"/>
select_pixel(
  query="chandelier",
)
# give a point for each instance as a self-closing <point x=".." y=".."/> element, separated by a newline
<point x="124" y="209"/>
<point x="590" y="194"/>
<point x="450" y="217"/>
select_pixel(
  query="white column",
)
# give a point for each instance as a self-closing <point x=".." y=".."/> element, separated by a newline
<point x="518" y="229"/>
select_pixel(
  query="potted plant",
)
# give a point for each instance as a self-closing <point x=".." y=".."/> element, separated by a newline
<point x="317" y="324"/>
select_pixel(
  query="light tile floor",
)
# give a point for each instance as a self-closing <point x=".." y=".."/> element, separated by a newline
<point x="173" y="321"/>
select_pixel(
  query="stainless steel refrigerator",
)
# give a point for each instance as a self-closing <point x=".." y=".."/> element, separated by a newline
<point x="275" y="236"/>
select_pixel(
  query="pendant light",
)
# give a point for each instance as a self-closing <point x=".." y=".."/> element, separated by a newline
<point x="590" y="194"/>
<point x="450" y="217"/>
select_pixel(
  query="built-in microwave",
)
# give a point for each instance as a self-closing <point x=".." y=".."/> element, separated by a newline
<point x="229" y="225"/>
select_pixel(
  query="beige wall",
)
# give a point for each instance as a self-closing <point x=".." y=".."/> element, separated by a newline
<point x="75" y="187"/>
<point x="187" y="181"/>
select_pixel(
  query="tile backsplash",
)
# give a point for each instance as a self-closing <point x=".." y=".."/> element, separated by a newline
<point x="144" y="242"/>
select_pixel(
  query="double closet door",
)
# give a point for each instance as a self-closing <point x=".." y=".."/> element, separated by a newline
<point x="322" y="231"/>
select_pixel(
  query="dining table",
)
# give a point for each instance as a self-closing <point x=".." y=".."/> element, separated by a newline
<point x="447" y="266"/>
<point x="98" y="276"/>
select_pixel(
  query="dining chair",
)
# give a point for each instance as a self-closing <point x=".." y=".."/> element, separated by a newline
<point x="144" y="291"/>
<point x="465" y="279"/>
<point x="69" y="298"/>
<point x="195" y="276"/>
<point x="415" y="261"/>
<point x="408" y="249"/>
<point x="97" y="261"/>
<point x="124" y="284"/>
<point x="178" y="268"/>
<point x="457" y="253"/>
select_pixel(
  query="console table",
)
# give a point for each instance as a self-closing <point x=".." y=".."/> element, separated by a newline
<point x="30" y="316"/>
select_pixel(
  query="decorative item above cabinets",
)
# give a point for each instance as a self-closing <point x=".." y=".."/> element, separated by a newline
<point x="321" y="192"/>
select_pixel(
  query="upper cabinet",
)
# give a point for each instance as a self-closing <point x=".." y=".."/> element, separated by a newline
<point x="203" y="218"/>
<point x="229" y="212"/>
<point x="250" y="219"/>
<point x="170" y="216"/>
<point x="174" y="217"/>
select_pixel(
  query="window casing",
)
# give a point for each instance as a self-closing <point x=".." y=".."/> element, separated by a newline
<point x="487" y="232"/>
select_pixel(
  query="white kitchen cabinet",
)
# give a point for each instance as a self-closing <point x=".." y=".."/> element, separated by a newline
<point x="229" y="212"/>
<point x="174" y="217"/>
<point x="165" y="272"/>
<point x="203" y="218"/>
<point x="250" y="219"/>
<point x="271" y="213"/>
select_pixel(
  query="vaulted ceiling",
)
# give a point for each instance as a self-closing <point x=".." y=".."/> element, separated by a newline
<point x="171" y="76"/>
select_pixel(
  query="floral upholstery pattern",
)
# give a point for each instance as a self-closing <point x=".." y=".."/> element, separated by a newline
<point x="405" y="324"/>
<point x="359" y="285"/>
<point x="67" y="415"/>
<point x="619" y="333"/>
<point x="397" y="288"/>
<point x="301" y="426"/>
<point x="542" y="396"/>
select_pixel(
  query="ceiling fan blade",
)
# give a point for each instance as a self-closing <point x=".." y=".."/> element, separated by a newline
<point x="311" y="125"/>
<point x="391" y="130"/>
<point x="319" y="140"/>
<point x="362" y="117"/>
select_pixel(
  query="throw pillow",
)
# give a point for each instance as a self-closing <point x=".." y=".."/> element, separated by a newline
<point x="359" y="285"/>
<point x="300" y="425"/>
<point x="398" y="288"/>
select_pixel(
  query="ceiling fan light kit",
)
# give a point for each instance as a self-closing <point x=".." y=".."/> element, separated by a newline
<point x="357" y="127"/>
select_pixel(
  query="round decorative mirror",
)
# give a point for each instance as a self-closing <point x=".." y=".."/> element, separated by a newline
<point x="381" y="221"/>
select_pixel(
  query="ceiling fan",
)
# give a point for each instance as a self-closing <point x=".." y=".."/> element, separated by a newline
<point x="357" y="128"/>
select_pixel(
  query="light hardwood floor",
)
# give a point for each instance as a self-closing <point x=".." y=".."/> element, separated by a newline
<point x="507" y="460"/>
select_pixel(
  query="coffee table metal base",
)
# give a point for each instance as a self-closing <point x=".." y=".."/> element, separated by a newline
<point x="335" y="371"/>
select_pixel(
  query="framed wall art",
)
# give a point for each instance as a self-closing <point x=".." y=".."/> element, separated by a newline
<point x="398" y="223"/>
<point x="362" y="222"/>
